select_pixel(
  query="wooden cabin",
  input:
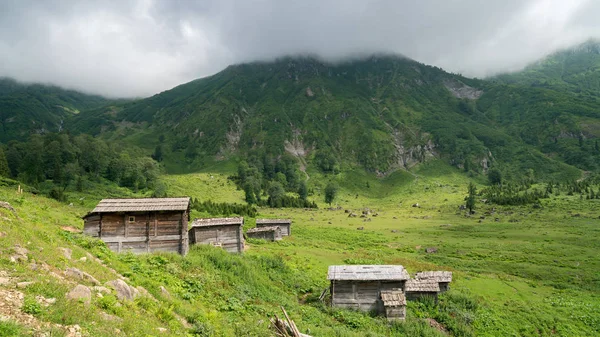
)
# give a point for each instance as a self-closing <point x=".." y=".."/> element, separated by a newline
<point x="220" y="232"/>
<point x="443" y="278"/>
<point x="269" y="233"/>
<point x="284" y="224"/>
<point x="394" y="304"/>
<point x="141" y="225"/>
<point x="360" y="286"/>
<point x="415" y="289"/>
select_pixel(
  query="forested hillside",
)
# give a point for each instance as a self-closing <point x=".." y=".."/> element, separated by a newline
<point x="382" y="113"/>
<point x="34" y="108"/>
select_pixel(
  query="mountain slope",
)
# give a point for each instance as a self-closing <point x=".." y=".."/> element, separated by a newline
<point x="382" y="113"/>
<point x="36" y="108"/>
<point x="575" y="69"/>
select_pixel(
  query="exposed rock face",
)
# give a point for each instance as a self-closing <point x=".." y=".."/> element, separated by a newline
<point x="309" y="92"/>
<point x="461" y="90"/>
<point x="80" y="293"/>
<point x="412" y="148"/>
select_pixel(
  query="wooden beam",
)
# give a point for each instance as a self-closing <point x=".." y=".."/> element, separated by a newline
<point x="140" y="238"/>
<point x="126" y="222"/>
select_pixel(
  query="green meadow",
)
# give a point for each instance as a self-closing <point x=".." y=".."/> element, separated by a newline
<point x="518" y="270"/>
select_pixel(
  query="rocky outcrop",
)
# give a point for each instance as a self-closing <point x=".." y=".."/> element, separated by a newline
<point x="461" y="90"/>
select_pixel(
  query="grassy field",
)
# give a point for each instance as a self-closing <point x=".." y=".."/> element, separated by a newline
<point x="518" y="271"/>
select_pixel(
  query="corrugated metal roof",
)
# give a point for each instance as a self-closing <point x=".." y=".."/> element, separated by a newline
<point x="263" y="229"/>
<point x="142" y="205"/>
<point x="392" y="298"/>
<point x="368" y="273"/>
<point x="273" y="221"/>
<point x="439" y="276"/>
<point x="217" y="222"/>
<point x="416" y="285"/>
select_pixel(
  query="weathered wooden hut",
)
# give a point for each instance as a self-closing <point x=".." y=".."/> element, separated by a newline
<point x="220" y="232"/>
<point x="394" y="304"/>
<point x="284" y="224"/>
<point x="359" y="286"/>
<point x="141" y="225"/>
<point x="270" y="233"/>
<point x="415" y="288"/>
<point x="443" y="278"/>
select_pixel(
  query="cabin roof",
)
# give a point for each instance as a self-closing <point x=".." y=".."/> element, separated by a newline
<point x="207" y="222"/>
<point x="424" y="286"/>
<point x="263" y="229"/>
<point x="273" y="221"/>
<point x="368" y="273"/>
<point x="438" y="276"/>
<point x="393" y="297"/>
<point x="142" y="205"/>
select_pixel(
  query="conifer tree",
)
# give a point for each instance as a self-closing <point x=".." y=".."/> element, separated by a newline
<point x="470" y="198"/>
<point x="4" y="170"/>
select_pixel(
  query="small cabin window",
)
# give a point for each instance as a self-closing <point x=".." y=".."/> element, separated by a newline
<point x="131" y="219"/>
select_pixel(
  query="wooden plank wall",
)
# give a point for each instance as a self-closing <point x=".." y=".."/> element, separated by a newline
<point x="286" y="229"/>
<point x="270" y="235"/>
<point x="91" y="225"/>
<point x="228" y="237"/>
<point x="150" y="232"/>
<point x="360" y="295"/>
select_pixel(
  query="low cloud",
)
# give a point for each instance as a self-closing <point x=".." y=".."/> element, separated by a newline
<point x="139" y="48"/>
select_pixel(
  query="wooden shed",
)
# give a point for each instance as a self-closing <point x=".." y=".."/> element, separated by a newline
<point x="360" y="286"/>
<point x="394" y="304"/>
<point x="220" y="232"/>
<point x="415" y="288"/>
<point x="443" y="278"/>
<point x="141" y="225"/>
<point x="270" y="233"/>
<point x="284" y="224"/>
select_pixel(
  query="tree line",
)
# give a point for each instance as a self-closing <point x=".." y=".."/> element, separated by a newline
<point x="64" y="161"/>
<point x="268" y="181"/>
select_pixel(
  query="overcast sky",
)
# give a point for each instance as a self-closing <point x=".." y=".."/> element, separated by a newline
<point x="138" y="48"/>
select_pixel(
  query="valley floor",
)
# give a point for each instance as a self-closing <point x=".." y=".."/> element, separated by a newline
<point x="518" y="271"/>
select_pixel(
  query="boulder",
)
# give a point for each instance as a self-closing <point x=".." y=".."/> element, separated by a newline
<point x="81" y="275"/>
<point x="164" y="292"/>
<point x="431" y="250"/>
<point x="80" y="293"/>
<point x="123" y="290"/>
<point x="24" y="284"/>
<point x="101" y="290"/>
<point x="67" y="253"/>
<point x="360" y="228"/>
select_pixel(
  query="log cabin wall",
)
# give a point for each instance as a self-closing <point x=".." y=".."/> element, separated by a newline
<point x="141" y="232"/>
<point x="229" y="237"/>
<point x="361" y="295"/>
<point x="284" y="225"/>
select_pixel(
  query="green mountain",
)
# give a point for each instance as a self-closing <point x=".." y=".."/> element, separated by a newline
<point x="383" y="113"/>
<point x="36" y="108"/>
<point x="574" y="69"/>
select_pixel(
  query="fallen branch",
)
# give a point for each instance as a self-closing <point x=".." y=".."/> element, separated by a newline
<point x="287" y="327"/>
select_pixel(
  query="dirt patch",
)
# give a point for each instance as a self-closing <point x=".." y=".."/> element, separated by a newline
<point x="437" y="325"/>
<point x="71" y="229"/>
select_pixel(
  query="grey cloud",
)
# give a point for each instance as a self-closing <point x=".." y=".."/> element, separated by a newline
<point x="138" y="48"/>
